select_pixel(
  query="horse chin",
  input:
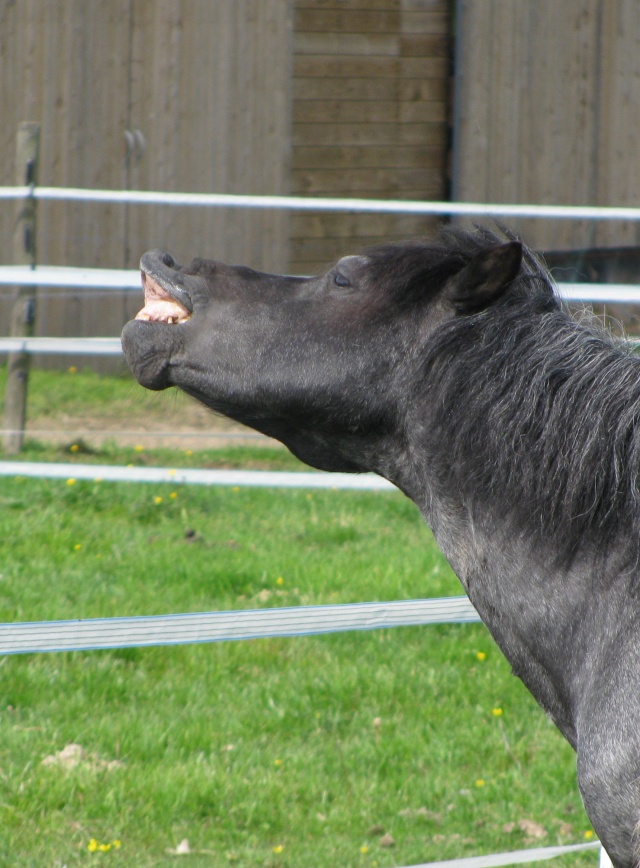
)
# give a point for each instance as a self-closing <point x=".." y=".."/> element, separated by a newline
<point x="149" y="367"/>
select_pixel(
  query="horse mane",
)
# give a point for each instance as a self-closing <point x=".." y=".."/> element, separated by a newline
<point x="539" y="413"/>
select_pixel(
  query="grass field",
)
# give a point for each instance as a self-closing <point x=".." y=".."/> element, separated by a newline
<point x="383" y="748"/>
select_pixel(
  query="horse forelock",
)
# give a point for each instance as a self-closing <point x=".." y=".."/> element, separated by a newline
<point x="537" y="417"/>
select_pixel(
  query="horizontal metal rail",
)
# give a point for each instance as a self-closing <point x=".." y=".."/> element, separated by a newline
<point x="129" y="279"/>
<point x="187" y="476"/>
<point x="55" y="346"/>
<point x="306" y="203"/>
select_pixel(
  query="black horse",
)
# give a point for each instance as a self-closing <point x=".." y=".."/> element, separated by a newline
<point x="451" y="368"/>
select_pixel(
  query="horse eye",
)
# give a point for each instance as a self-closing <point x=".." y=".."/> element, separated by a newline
<point x="340" y="280"/>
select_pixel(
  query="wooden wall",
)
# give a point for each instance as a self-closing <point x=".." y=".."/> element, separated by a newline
<point x="206" y="84"/>
<point x="370" y="117"/>
<point x="313" y="97"/>
<point x="548" y="111"/>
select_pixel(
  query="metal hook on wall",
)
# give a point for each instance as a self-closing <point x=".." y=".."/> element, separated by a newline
<point x="136" y="144"/>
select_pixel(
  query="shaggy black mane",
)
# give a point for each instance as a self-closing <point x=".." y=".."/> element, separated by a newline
<point x="540" y="413"/>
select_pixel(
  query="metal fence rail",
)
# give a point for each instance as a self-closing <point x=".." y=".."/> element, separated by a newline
<point x="306" y="203"/>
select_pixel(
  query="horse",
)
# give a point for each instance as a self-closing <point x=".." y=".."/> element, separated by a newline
<point x="449" y="366"/>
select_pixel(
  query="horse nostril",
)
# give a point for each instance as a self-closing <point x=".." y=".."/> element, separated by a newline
<point x="167" y="260"/>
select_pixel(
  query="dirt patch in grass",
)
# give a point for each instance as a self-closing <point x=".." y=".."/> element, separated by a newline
<point x="182" y="424"/>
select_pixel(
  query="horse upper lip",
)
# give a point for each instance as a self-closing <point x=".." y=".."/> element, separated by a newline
<point x="166" y="297"/>
<point x="163" y="270"/>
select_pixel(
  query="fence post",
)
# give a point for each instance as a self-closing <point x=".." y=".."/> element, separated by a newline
<point x="23" y="313"/>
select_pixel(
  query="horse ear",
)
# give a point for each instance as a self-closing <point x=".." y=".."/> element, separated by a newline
<point x="485" y="279"/>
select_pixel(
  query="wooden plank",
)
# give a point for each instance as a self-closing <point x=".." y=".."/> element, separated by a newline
<point x="426" y="5"/>
<point x="344" y="111"/>
<point x="426" y="21"/>
<point x="345" y="157"/>
<point x="421" y="45"/>
<point x="425" y="67"/>
<point x="370" y="182"/>
<point x="432" y="114"/>
<point x="383" y="5"/>
<point x="370" y="44"/>
<point x="314" y="255"/>
<point x="385" y="89"/>
<point x="372" y="134"/>
<point x="313" y="65"/>
<point x="346" y="88"/>
<point x="346" y="20"/>
<point x="355" y="226"/>
<point x="423" y="90"/>
<point x="337" y="66"/>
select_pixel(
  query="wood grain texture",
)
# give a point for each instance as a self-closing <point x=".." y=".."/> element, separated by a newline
<point x="548" y="112"/>
<point x="370" y="117"/>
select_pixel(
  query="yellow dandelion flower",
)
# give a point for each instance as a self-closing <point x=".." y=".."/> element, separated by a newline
<point x="71" y="481"/>
<point x="74" y="447"/>
<point x="364" y="849"/>
<point x="104" y="848"/>
<point x="236" y="488"/>
<point x="481" y="656"/>
<point x="117" y="844"/>
<point x="278" y="848"/>
<point x="588" y="834"/>
<point x="92" y="846"/>
<point x="172" y="472"/>
<point x="77" y="547"/>
<point x="188" y="452"/>
<point x="277" y="762"/>
<point x="496" y="712"/>
<point x="138" y="448"/>
<point x="157" y="500"/>
<point x="72" y="370"/>
<point x="480" y="782"/>
<point x="173" y="495"/>
<point x="279" y="581"/>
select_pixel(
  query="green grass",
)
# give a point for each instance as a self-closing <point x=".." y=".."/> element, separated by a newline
<point x="286" y="752"/>
<point x="331" y="736"/>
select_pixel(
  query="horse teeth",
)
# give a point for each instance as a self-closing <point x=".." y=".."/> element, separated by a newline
<point x="170" y="320"/>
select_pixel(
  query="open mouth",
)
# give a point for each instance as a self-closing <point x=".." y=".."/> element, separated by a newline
<point x="159" y="306"/>
<point x="161" y="303"/>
